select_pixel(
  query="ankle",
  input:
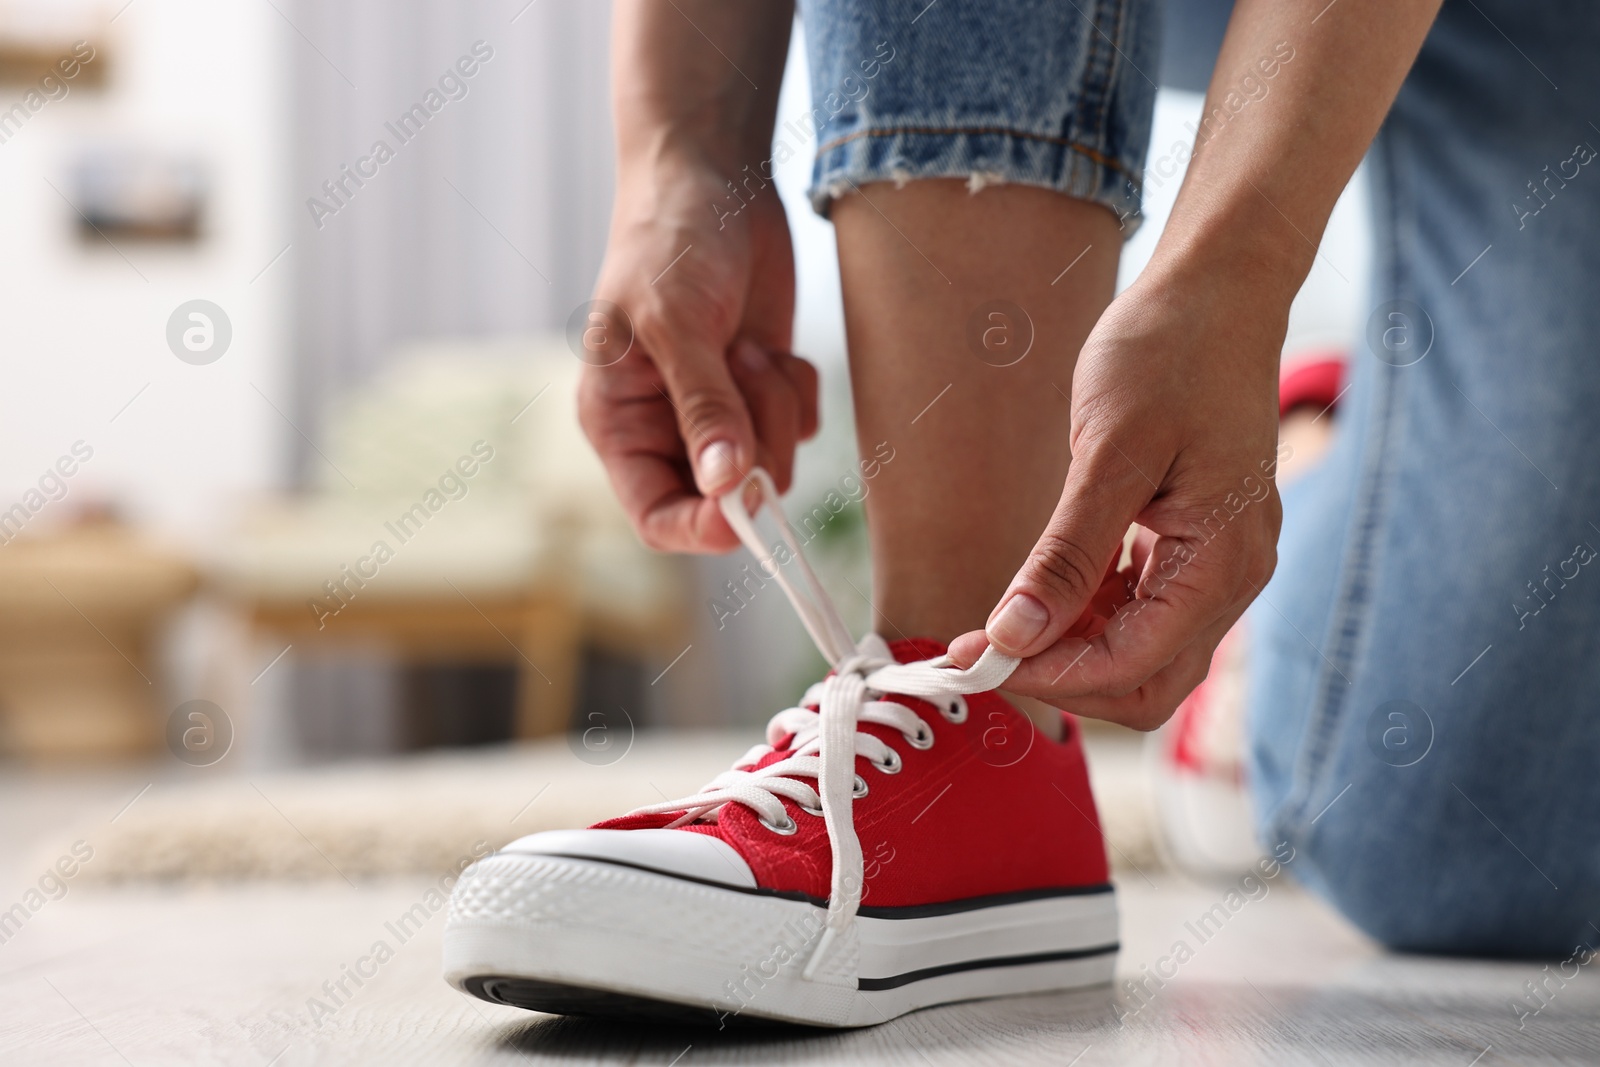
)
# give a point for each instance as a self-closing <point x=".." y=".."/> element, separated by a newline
<point x="930" y="613"/>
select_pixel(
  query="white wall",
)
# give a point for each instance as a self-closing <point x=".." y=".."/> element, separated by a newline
<point x="491" y="221"/>
<point x="82" y="331"/>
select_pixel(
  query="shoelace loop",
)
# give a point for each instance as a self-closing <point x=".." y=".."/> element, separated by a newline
<point x="826" y="742"/>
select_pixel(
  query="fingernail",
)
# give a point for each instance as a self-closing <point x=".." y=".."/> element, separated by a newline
<point x="1021" y="620"/>
<point x="752" y="356"/>
<point x="716" y="467"/>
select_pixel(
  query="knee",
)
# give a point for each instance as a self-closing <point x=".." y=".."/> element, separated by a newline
<point x="1404" y="887"/>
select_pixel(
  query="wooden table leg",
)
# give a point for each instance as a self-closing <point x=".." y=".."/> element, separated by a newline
<point x="548" y="671"/>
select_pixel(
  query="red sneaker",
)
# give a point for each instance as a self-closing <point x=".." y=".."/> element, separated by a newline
<point x="1202" y="803"/>
<point x="905" y="838"/>
<point x="1202" y="806"/>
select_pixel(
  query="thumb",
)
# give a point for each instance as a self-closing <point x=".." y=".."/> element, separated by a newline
<point x="1068" y="564"/>
<point x="713" y="418"/>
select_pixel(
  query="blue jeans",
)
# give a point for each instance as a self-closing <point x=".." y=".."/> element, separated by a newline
<point x="1020" y="91"/>
<point x="1426" y="710"/>
<point x="1424" y="721"/>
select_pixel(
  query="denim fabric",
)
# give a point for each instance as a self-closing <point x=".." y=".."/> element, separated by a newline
<point x="1034" y="91"/>
<point x="1424" y="720"/>
<point x="1426" y="708"/>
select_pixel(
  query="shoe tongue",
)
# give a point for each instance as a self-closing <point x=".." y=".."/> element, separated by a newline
<point x="910" y="649"/>
<point x="876" y="647"/>
<point x="906" y="650"/>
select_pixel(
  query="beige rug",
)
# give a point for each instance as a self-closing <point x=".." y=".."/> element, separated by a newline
<point x="424" y="814"/>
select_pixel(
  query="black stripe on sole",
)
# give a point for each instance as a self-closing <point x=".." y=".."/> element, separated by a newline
<point x="909" y="911"/>
<point x="898" y="980"/>
<point x="561" y="998"/>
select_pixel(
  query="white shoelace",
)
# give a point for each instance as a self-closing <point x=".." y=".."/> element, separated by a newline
<point x="826" y="742"/>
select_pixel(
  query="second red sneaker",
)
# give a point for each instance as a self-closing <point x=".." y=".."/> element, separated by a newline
<point x="903" y="839"/>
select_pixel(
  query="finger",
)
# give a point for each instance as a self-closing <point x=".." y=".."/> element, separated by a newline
<point x="635" y="432"/>
<point x="803" y="376"/>
<point x="1185" y="588"/>
<point x="1103" y="494"/>
<point x="681" y="521"/>
<point x="1153" y="702"/>
<point x="658" y="495"/>
<point x="774" y="408"/>
<point x="713" y="417"/>
<point x="1116" y="589"/>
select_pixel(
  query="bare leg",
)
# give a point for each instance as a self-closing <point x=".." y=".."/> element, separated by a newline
<point x="975" y="476"/>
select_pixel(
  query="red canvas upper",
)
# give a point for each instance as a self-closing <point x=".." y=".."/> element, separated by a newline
<point x="992" y="807"/>
<point x="1313" y="380"/>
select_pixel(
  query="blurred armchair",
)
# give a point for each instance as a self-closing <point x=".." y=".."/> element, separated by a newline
<point x="460" y="517"/>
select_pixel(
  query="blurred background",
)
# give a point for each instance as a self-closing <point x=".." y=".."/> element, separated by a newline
<point x="289" y="471"/>
<point x="311" y="591"/>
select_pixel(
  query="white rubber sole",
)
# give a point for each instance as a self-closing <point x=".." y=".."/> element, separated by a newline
<point x="587" y="937"/>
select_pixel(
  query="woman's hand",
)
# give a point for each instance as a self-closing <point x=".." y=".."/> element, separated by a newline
<point x="701" y="270"/>
<point x="1174" y="401"/>
<point x="708" y="389"/>
<point x="1174" y="426"/>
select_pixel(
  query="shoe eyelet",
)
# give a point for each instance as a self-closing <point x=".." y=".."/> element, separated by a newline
<point x="817" y="812"/>
<point x="785" y="828"/>
<point x="860" y="788"/>
<point x="891" y="764"/>
<point x="957" y="711"/>
<point x="922" y="739"/>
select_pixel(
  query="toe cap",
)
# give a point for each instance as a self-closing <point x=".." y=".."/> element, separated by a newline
<point x="678" y="852"/>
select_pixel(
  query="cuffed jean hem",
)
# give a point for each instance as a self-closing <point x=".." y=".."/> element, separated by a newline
<point x="980" y="156"/>
<point x="1025" y="92"/>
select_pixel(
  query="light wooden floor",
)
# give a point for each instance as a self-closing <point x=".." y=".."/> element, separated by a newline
<point x="223" y="975"/>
